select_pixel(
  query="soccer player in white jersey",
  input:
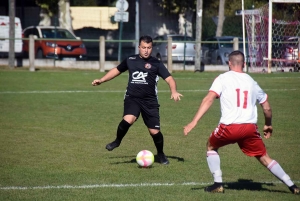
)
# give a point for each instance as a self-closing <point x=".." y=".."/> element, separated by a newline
<point x="238" y="94"/>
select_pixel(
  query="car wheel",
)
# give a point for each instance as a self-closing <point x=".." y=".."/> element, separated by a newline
<point x="219" y="61"/>
<point x="39" y="54"/>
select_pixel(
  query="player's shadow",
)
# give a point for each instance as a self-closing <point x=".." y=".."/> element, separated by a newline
<point x="246" y="184"/>
<point x="179" y="159"/>
<point x="127" y="159"/>
<point x="131" y="159"/>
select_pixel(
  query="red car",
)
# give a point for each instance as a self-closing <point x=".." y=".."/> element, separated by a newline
<point x="54" y="42"/>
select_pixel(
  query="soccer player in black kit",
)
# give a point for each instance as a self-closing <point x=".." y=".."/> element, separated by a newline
<point x="141" y="94"/>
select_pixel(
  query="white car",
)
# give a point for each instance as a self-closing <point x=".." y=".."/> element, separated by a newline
<point x="183" y="48"/>
<point x="291" y="55"/>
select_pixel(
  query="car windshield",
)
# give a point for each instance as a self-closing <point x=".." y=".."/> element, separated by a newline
<point x="293" y="42"/>
<point x="57" y="33"/>
<point x="228" y="43"/>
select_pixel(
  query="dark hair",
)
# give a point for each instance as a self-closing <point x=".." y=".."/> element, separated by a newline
<point x="237" y="57"/>
<point x="146" y="39"/>
<point x="236" y="53"/>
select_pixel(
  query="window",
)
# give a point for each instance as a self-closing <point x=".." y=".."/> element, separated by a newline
<point x="57" y="33"/>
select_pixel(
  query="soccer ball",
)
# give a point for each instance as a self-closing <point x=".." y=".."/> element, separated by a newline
<point x="145" y="158"/>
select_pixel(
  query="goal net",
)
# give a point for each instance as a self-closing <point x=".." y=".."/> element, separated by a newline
<point x="285" y="37"/>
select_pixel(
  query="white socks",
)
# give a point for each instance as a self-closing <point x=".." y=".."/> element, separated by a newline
<point x="277" y="170"/>
<point x="214" y="163"/>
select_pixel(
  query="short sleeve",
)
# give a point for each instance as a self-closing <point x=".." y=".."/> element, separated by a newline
<point x="261" y="95"/>
<point x="163" y="71"/>
<point x="122" y="67"/>
<point x="216" y="86"/>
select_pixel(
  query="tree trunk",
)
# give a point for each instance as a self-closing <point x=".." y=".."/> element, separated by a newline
<point x="65" y="20"/>
<point x="198" y="63"/>
<point x="11" y="53"/>
<point x="45" y="19"/>
<point x="219" y="31"/>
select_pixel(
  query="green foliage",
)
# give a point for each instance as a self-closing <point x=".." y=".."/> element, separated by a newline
<point x="210" y="8"/>
<point x="287" y="11"/>
<point x="54" y="127"/>
<point x="50" y="5"/>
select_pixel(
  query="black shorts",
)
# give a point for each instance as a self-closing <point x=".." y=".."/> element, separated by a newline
<point x="149" y="108"/>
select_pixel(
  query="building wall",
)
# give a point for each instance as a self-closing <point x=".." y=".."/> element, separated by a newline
<point x="97" y="17"/>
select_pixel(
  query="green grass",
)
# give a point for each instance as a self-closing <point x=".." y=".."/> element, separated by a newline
<point x="54" y="127"/>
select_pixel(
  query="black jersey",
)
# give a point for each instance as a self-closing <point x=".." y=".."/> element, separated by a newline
<point x="143" y="75"/>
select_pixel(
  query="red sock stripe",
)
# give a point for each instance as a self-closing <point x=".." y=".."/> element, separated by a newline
<point x="272" y="164"/>
<point x="211" y="153"/>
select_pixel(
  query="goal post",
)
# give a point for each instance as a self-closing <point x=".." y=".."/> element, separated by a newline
<point x="268" y="28"/>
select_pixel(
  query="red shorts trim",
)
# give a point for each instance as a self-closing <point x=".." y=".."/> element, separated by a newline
<point x="246" y="135"/>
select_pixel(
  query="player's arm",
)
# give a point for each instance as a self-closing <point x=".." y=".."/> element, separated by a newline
<point x="172" y="84"/>
<point x="203" y="108"/>
<point x="108" y="76"/>
<point x="268" y="129"/>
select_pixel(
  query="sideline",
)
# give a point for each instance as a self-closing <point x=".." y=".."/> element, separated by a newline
<point x="104" y="91"/>
<point x="124" y="185"/>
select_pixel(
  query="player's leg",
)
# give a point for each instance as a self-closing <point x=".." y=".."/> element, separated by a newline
<point x="215" y="141"/>
<point x="221" y="136"/>
<point x="152" y="121"/>
<point x="122" y="129"/>
<point x="214" y="165"/>
<point x="158" y="140"/>
<point x="130" y="115"/>
<point x="278" y="172"/>
<point x="253" y="145"/>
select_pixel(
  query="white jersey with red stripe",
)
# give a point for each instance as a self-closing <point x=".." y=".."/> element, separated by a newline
<point x="238" y="94"/>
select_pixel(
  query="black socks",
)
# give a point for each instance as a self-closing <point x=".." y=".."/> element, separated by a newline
<point x="122" y="130"/>
<point x="158" y="140"/>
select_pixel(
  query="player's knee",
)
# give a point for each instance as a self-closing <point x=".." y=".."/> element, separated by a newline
<point x="209" y="147"/>
<point x="124" y="125"/>
<point x="264" y="160"/>
<point x="153" y="131"/>
<point x="130" y="119"/>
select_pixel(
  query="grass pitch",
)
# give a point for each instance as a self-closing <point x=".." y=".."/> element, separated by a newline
<point x="54" y="126"/>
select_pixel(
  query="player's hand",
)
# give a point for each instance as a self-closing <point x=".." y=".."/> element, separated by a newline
<point x="176" y="96"/>
<point x="188" y="128"/>
<point x="267" y="131"/>
<point x="96" y="82"/>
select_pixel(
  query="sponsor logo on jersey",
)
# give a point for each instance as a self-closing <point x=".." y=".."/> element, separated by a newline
<point x="139" y="77"/>
<point x="147" y="66"/>
<point x="132" y="58"/>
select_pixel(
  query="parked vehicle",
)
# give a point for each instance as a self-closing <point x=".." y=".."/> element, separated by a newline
<point x="291" y="54"/>
<point x="4" y="36"/>
<point x="54" y="42"/>
<point x="160" y="48"/>
<point x="219" y="48"/>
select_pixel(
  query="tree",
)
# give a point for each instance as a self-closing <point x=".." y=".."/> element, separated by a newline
<point x="59" y="9"/>
<point x="220" y="18"/>
<point x="49" y="5"/>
